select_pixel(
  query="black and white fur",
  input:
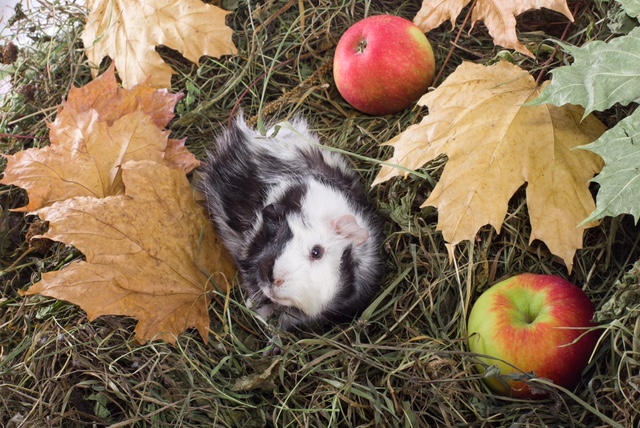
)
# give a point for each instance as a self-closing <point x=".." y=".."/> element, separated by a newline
<point x="295" y="219"/>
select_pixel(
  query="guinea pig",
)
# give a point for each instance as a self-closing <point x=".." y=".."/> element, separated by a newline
<point x="296" y="220"/>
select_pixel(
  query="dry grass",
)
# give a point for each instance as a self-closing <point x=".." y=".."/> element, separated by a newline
<point x="405" y="362"/>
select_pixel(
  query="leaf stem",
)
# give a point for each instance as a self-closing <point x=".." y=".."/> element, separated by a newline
<point x="547" y="63"/>
<point x="24" y="137"/>
<point x="454" y="45"/>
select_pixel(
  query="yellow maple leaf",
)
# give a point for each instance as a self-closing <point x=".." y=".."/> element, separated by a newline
<point x="150" y="254"/>
<point x="494" y="145"/>
<point x="499" y="16"/>
<point x="129" y="30"/>
<point x="97" y="129"/>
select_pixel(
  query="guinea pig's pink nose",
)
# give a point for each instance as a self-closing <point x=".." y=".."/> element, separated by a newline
<point x="278" y="282"/>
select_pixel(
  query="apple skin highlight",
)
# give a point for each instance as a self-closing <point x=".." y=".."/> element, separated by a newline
<point x="383" y="64"/>
<point x="537" y="323"/>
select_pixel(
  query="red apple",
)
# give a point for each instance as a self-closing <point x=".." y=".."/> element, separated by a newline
<point x="383" y="64"/>
<point x="537" y="323"/>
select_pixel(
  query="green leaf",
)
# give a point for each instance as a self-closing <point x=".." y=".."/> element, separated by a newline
<point x="631" y="7"/>
<point x="620" y="178"/>
<point x="621" y="15"/>
<point x="601" y="75"/>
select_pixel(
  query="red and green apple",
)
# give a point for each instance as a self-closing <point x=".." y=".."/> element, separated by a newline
<point x="383" y="64"/>
<point x="536" y="323"/>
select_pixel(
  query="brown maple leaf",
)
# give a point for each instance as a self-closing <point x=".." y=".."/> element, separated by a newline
<point x="97" y="129"/>
<point x="495" y="144"/>
<point x="129" y="30"/>
<point x="106" y="97"/>
<point x="151" y="254"/>
<point x="499" y="16"/>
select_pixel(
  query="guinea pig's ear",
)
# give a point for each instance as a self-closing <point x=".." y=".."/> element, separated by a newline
<point x="348" y="227"/>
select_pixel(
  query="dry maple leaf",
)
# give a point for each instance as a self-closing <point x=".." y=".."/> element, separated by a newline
<point x="129" y="30"/>
<point x="150" y="254"/>
<point x="495" y="145"/>
<point x="499" y="16"/>
<point x="97" y="129"/>
<point x="105" y="96"/>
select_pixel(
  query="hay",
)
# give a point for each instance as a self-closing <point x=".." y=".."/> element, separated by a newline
<point x="405" y="361"/>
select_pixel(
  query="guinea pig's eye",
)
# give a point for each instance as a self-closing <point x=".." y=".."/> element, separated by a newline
<point x="317" y="252"/>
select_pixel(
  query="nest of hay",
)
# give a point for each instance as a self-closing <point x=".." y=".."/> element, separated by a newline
<point x="405" y="362"/>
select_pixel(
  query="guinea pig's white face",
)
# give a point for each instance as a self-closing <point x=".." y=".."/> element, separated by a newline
<point x="307" y="274"/>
